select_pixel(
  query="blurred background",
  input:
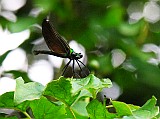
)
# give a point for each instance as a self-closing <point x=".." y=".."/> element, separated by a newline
<point x="119" y="40"/>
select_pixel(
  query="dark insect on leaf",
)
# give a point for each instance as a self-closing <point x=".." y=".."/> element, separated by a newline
<point x="59" y="47"/>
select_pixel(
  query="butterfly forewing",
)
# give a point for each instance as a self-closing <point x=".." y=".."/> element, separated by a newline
<point x="53" y="40"/>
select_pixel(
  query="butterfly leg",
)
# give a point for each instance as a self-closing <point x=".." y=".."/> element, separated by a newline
<point x="65" y="67"/>
<point x="79" y="65"/>
<point x="84" y="65"/>
<point x="80" y="68"/>
<point x="74" y="73"/>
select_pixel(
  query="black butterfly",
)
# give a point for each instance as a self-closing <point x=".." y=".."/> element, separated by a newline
<point x="58" y="46"/>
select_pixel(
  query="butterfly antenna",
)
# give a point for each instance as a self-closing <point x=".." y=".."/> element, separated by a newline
<point x="65" y="67"/>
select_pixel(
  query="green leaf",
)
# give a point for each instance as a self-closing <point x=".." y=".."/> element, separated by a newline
<point x="23" y="106"/>
<point x="6" y="100"/>
<point x="61" y="90"/>
<point x="96" y="110"/>
<point x="8" y="117"/>
<point x="21" y="24"/>
<point x="122" y="108"/>
<point x="133" y="107"/>
<point x="148" y="110"/>
<point x="47" y="5"/>
<point x="80" y="108"/>
<point x="158" y="116"/>
<point x="141" y="114"/>
<point x="129" y="29"/>
<point x="113" y="16"/>
<point x="19" y="73"/>
<point x="2" y="57"/>
<point x="150" y="104"/>
<point x="90" y="83"/>
<point x="28" y="91"/>
<point x="128" y="117"/>
<point x="44" y="109"/>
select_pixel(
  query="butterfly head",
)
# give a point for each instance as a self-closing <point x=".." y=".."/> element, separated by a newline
<point x="74" y="55"/>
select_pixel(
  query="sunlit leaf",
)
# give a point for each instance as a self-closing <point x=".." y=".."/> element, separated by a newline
<point x="28" y="91"/>
<point x="90" y="84"/>
<point x="148" y="110"/>
<point x="61" y="90"/>
<point x="80" y="108"/>
<point x="122" y="109"/>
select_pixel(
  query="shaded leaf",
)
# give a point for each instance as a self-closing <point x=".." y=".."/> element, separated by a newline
<point x="44" y="109"/>
<point x="96" y="110"/>
<point x="6" y="100"/>
<point x="21" y="24"/>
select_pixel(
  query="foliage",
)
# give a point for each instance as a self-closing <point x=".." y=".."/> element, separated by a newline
<point x="60" y="99"/>
<point x="125" y="50"/>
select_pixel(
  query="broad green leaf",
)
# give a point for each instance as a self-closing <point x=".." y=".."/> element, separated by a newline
<point x="61" y="90"/>
<point x="148" y="110"/>
<point x="28" y="91"/>
<point x="1" y="117"/>
<point x="23" y="106"/>
<point x="6" y="100"/>
<point x="128" y="117"/>
<point x="122" y="108"/>
<point x="150" y="104"/>
<point x="96" y="110"/>
<point x="133" y="107"/>
<point x="44" y="109"/>
<point x="142" y="114"/>
<point x="80" y="108"/>
<point x="90" y="83"/>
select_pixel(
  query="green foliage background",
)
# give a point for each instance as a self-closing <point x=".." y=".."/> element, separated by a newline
<point x="100" y="26"/>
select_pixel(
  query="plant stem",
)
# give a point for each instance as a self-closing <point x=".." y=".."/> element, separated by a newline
<point x="27" y="115"/>
<point x="72" y="112"/>
<point x="109" y="106"/>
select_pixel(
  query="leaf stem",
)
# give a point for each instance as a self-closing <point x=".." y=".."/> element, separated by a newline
<point x="74" y="116"/>
<point x="109" y="106"/>
<point x="27" y="115"/>
<point x="72" y="112"/>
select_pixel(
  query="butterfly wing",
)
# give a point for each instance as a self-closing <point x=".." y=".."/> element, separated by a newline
<point x="53" y="40"/>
